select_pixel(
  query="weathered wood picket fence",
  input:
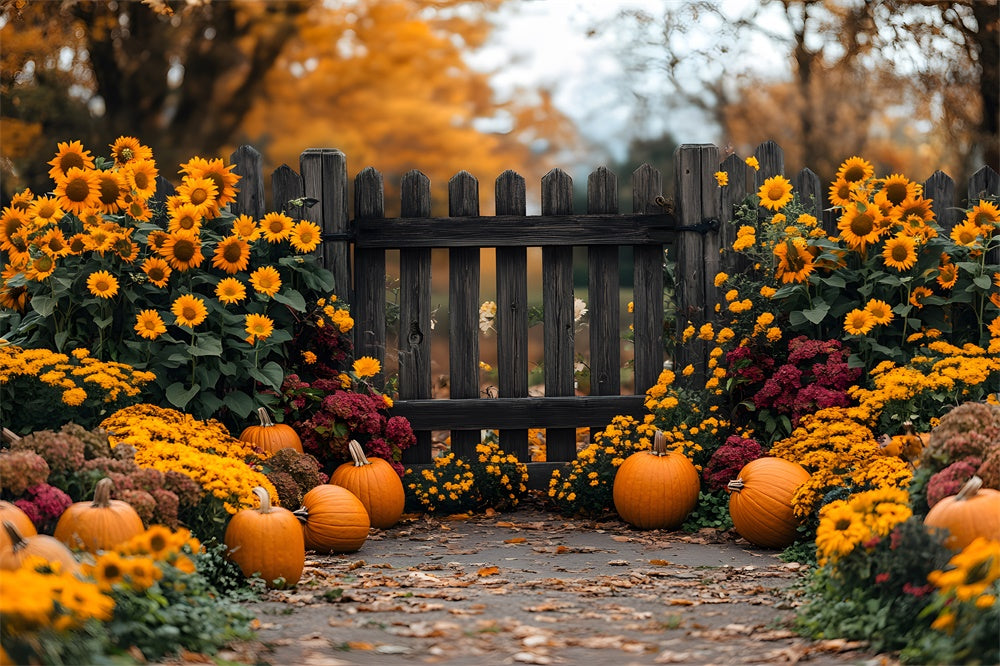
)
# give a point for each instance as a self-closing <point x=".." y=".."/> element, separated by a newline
<point x="694" y="221"/>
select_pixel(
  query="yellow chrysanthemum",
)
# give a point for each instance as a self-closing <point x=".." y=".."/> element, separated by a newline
<point x="102" y="284"/>
<point x="149" y="324"/>
<point x="858" y="322"/>
<point x="722" y="178"/>
<point x="266" y="280"/>
<point x="366" y="366"/>
<point x="752" y="162"/>
<point x="775" y="192"/>
<point x="232" y="255"/>
<point x="230" y="290"/>
<point x="900" y="252"/>
<point x="189" y="310"/>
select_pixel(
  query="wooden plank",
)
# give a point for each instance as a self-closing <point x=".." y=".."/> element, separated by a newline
<point x="730" y="196"/>
<point x="512" y="312"/>
<point x="603" y="292"/>
<point x="941" y="189"/>
<point x="517" y="231"/>
<point x="164" y="189"/>
<point x="286" y="186"/>
<point x="324" y="176"/>
<point x="415" y="310"/>
<point x="368" y="306"/>
<point x="463" y="308"/>
<point x="983" y="183"/>
<point x="548" y="412"/>
<point x="647" y="300"/>
<point x="249" y="164"/>
<point x="557" y="303"/>
<point x="806" y="184"/>
<point x="712" y="242"/>
<point x="772" y="162"/>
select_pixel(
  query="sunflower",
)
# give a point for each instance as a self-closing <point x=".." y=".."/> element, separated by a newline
<point x="39" y="268"/>
<point x="855" y="169"/>
<point x="305" y="236"/>
<point x="840" y="530"/>
<point x="947" y="275"/>
<point x="859" y="225"/>
<point x="157" y="270"/>
<point x="12" y="222"/>
<point x="78" y="190"/>
<point x="366" y="366"/>
<point x="139" y="211"/>
<point x="215" y="170"/>
<point x="258" y="327"/>
<point x="101" y="238"/>
<point x="775" y="192"/>
<point x="915" y="206"/>
<point x="858" y="322"/>
<point x="69" y="156"/>
<point x="125" y="247"/>
<point x="232" y="255"/>
<point x="795" y="262"/>
<point x="156" y="240"/>
<point x="53" y="243"/>
<point x="230" y="290"/>
<point x="276" y="227"/>
<point x="918" y="295"/>
<point x="111" y="190"/>
<point x="102" y="284"/>
<point x="900" y="252"/>
<point x="127" y="149"/>
<point x="986" y="215"/>
<point x="77" y="244"/>
<point x="149" y="324"/>
<point x="200" y="193"/>
<point x="182" y="250"/>
<point x="880" y="311"/>
<point x="913" y="225"/>
<point x="45" y="211"/>
<point x="189" y="310"/>
<point x="966" y="233"/>
<point x="108" y="569"/>
<point x="141" y="177"/>
<point x="897" y="188"/>
<point x="14" y="298"/>
<point x="266" y="280"/>
<point x="185" y="217"/>
<point x="246" y="228"/>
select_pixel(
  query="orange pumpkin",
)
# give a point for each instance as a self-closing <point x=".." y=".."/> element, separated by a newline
<point x="760" y="501"/>
<point x="37" y="545"/>
<point x="375" y="483"/>
<point x="20" y="520"/>
<point x="98" y="525"/>
<point x="656" y="489"/>
<point x="271" y="437"/>
<point x="267" y="540"/>
<point x="333" y="520"/>
<point x="973" y="512"/>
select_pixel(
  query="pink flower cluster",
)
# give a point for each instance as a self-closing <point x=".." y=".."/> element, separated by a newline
<point x="44" y="504"/>
<point x="727" y="461"/>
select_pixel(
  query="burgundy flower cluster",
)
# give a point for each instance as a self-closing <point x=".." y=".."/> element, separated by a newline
<point x="727" y="461"/>
<point x="44" y="504"/>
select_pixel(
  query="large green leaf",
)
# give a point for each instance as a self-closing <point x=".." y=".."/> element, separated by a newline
<point x="292" y="299"/>
<point x="239" y="403"/>
<point x="44" y="305"/>
<point x="817" y="313"/>
<point x="271" y="375"/>
<point x="207" y="346"/>
<point x="179" y="395"/>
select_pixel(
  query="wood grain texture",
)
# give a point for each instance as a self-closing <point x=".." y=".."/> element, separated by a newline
<point x="248" y="163"/>
<point x="647" y="315"/>
<point x="324" y="177"/>
<point x="368" y="306"/>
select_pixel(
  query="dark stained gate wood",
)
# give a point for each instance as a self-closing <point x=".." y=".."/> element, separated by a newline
<point x="603" y="286"/>
<point x="369" y="276"/>
<point x="286" y="186"/>
<point x="249" y="164"/>
<point x="324" y="177"/>
<point x="647" y="301"/>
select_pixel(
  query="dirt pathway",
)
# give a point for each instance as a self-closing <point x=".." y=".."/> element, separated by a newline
<point x="536" y="588"/>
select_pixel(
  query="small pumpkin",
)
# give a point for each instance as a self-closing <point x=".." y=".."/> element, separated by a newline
<point x="271" y="437"/>
<point x="375" y="483"/>
<point x="37" y="545"/>
<point x="20" y="520"/>
<point x="760" y="501"/>
<point x="333" y="520"/>
<point x="973" y="512"/>
<point x="267" y="540"/>
<point x="656" y="489"/>
<point x="98" y="525"/>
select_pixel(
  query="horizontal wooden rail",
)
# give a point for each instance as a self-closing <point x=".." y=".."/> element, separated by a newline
<point x="514" y="231"/>
<point x="548" y="412"/>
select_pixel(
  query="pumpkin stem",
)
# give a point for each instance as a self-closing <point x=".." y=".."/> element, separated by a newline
<point x="357" y="453"/>
<point x="970" y="489"/>
<point x="17" y="540"/>
<point x="265" y="499"/>
<point x="302" y="514"/>
<point x="265" y="417"/>
<point x="102" y="493"/>
<point x="735" y="486"/>
<point x="659" y="444"/>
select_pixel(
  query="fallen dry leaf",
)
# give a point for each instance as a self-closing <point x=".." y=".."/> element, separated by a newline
<point x="488" y="571"/>
<point x="515" y="540"/>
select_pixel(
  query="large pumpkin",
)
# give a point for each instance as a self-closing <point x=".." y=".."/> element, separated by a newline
<point x="375" y="483"/>
<point x="760" y="501"/>
<point x="973" y="512"/>
<point x="37" y="545"/>
<point x="267" y="540"/>
<point x="656" y="489"/>
<point x="98" y="525"/>
<point x="20" y="520"/>
<point x="271" y="437"/>
<point x="333" y="520"/>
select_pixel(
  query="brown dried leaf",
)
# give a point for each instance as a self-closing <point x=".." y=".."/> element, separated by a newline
<point x="488" y="571"/>
<point x="515" y="540"/>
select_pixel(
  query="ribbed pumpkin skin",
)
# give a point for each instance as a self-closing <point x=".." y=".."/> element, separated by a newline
<point x="335" y="520"/>
<point x="966" y="519"/>
<point x="41" y="545"/>
<point x="271" y="437"/>
<point x="377" y="485"/>
<point x="13" y="513"/>
<point x="762" y="509"/>
<point x="267" y="540"/>
<point x="98" y="525"/>
<point x="655" y="492"/>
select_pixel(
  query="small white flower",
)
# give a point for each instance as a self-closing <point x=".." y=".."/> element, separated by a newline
<point x="487" y="313"/>
<point x="579" y="309"/>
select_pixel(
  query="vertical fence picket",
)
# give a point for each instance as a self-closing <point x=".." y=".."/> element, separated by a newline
<point x="941" y="189"/>
<point x="286" y="186"/>
<point x="249" y="164"/>
<point x="731" y="195"/>
<point x="463" y="309"/>
<point x="806" y="184"/>
<point x="164" y="189"/>
<point x="415" y="311"/>
<point x="557" y="303"/>
<point x="324" y="177"/>
<point x="647" y="300"/>
<point x="603" y="287"/>
<point x="369" y="276"/>
<point x="512" y="311"/>
<point x="983" y="183"/>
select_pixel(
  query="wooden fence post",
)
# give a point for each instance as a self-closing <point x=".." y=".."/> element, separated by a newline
<point x="647" y="302"/>
<point x="249" y="164"/>
<point x="941" y="189"/>
<point x="740" y="179"/>
<point x="369" y="276"/>
<point x="324" y="176"/>
<point x="603" y="286"/>
<point x="557" y="303"/>
<point x="286" y="186"/>
<point x="985" y="182"/>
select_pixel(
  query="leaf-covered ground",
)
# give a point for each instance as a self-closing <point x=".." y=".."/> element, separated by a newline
<point x="536" y="588"/>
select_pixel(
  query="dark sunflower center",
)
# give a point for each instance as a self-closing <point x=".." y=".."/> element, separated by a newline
<point x="189" y="312"/>
<point x="232" y="253"/>
<point x="156" y="273"/>
<point x="109" y="191"/>
<point x="862" y="224"/>
<point x="70" y="160"/>
<point x="184" y="250"/>
<point x="775" y="192"/>
<point x="198" y="196"/>
<point x="896" y="192"/>
<point x="141" y="181"/>
<point x="900" y="252"/>
<point x="78" y="190"/>
<point x="842" y="524"/>
<point x="854" y="173"/>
